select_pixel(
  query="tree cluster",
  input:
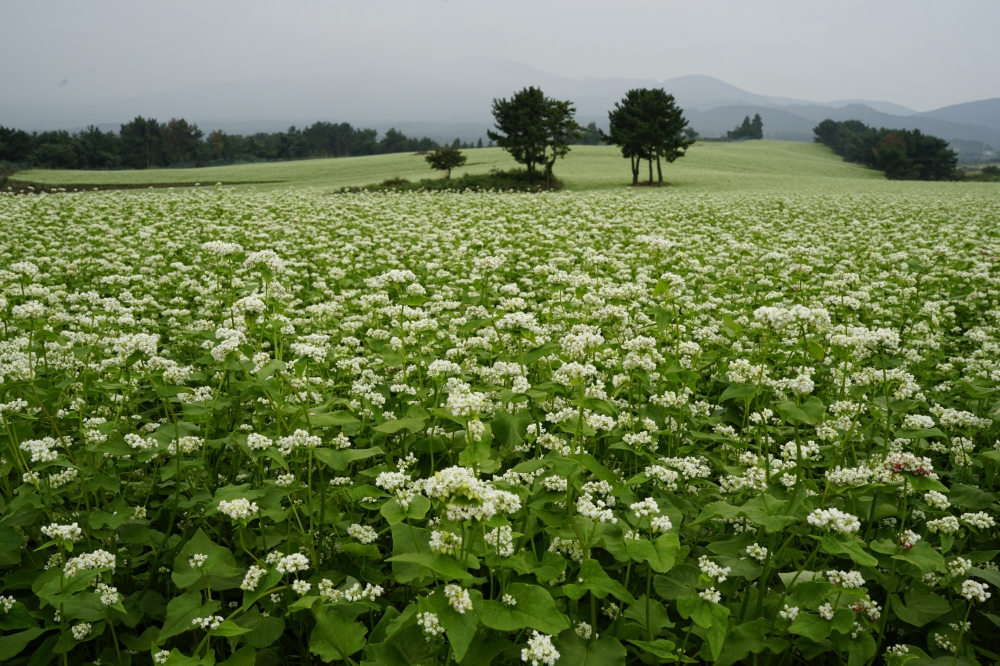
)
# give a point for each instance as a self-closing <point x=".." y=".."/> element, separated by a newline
<point x="901" y="154"/>
<point x="648" y="125"/>
<point x="749" y="129"/>
<point x="145" y="143"/>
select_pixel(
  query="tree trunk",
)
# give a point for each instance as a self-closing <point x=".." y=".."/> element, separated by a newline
<point x="650" y="170"/>
<point x="635" y="170"/>
<point x="659" y="171"/>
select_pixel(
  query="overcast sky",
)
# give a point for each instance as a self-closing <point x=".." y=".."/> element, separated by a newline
<point x="920" y="53"/>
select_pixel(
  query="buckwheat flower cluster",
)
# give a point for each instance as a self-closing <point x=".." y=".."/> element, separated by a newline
<point x="363" y="533"/>
<point x="197" y="560"/>
<point x="7" y="603"/>
<point x="458" y="597"/>
<point x="81" y="631"/>
<point x="946" y="525"/>
<point x="908" y="539"/>
<point x="65" y="532"/>
<point x="161" y="656"/>
<point x="847" y="579"/>
<point x="430" y="625"/>
<point x="258" y="442"/>
<point x="667" y="477"/>
<point x="908" y="462"/>
<point x="500" y="540"/>
<point x="445" y="542"/>
<point x="937" y="500"/>
<point x="959" y="567"/>
<point x="210" y="623"/>
<point x="252" y="578"/>
<point x="300" y="439"/>
<point x="980" y="520"/>
<point x="540" y="650"/>
<point x="584" y="630"/>
<point x="711" y="594"/>
<point x="99" y="559"/>
<point x="186" y="444"/>
<point x="109" y="595"/>
<point x="140" y="443"/>
<point x="239" y="509"/>
<point x="646" y="507"/>
<point x="463" y="482"/>
<point x="661" y="524"/>
<point x="835" y="520"/>
<point x="290" y="563"/>
<point x="595" y="502"/>
<point x="757" y="552"/>
<point x="301" y="587"/>
<point x="713" y="570"/>
<point x="975" y="591"/>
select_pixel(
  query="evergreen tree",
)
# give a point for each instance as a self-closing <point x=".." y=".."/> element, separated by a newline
<point x="648" y="125"/>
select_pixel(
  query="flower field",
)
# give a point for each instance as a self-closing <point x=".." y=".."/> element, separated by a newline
<point x="287" y="428"/>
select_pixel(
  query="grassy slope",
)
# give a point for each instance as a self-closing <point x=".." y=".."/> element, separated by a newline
<point x="707" y="167"/>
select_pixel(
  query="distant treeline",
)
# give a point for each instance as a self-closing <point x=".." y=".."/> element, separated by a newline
<point x="901" y="154"/>
<point x="146" y="143"/>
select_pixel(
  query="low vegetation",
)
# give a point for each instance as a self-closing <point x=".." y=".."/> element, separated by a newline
<point x="901" y="154"/>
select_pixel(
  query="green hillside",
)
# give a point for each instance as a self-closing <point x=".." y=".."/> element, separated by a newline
<point x="707" y="166"/>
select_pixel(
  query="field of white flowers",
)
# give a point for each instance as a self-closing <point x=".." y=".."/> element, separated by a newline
<point x="639" y="428"/>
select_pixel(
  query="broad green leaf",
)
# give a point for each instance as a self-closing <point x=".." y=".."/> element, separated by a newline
<point x="739" y="392"/>
<point x="334" y="419"/>
<point x="229" y="628"/>
<point x="11" y="645"/>
<point x="660" y="648"/>
<point x="861" y="649"/>
<point x="181" y="610"/>
<point x="535" y="609"/>
<point x="852" y="549"/>
<point x="245" y="656"/>
<point x="811" y="626"/>
<point x="339" y="459"/>
<point x="923" y="555"/>
<point x="395" y="425"/>
<point x="446" y="566"/>
<point x="575" y="651"/>
<point x="219" y="568"/>
<point x="10" y="539"/>
<point x="264" y="586"/>
<point x="659" y="553"/>
<point x="919" y="434"/>
<point x="922" y="605"/>
<point x="743" y="640"/>
<point x="593" y="578"/>
<point x="460" y="628"/>
<point x="394" y="513"/>
<point x="658" y="619"/>
<point x="334" y="637"/>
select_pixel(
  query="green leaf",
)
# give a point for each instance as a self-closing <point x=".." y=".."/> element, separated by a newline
<point x="852" y="549"/>
<point x="394" y="513"/>
<point x="816" y="351"/>
<point x="334" y="637"/>
<point x="535" y="609"/>
<point x="658" y="619"/>
<point x="11" y="645"/>
<point x="10" y="539"/>
<point x="812" y="627"/>
<point x="861" y="649"/>
<point x="767" y="511"/>
<point x="593" y="578"/>
<point x="263" y="587"/>
<point x="335" y="419"/>
<point x="922" y="605"/>
<point x="395" y="425"/>
<point x="923" y="556"/>
<point x="575" y="651"/>
<point x="339" y="459"/>
<point x="661" y="648"/>
<point x="460" y="628"/>
<point x="739" y="391"/>
<point x="220" y="568"/>
<point x="659" y="553"/>
<point x="744" y="639"/>
<point x="446" y="566"/>
<point x="245" y="656"/>
<point x="508" y="430"/>
<point x="181" y="610"/>
<point x="919" y="434"/>
<point x="229" y="628"/>
<point x="712" y="617"/>
<point x="478" y="451"/>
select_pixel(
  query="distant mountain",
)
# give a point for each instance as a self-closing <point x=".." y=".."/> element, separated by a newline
<point x="454" y="100"/>
<point x="985" y="112"/>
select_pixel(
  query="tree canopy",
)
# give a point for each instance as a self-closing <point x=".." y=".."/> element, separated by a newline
<point x="648" y="125"/>
<point x="536" y="130"/>
<point x="750" y="129"/>
<point x="902" y="154"/>
<point x="445" y="159"/>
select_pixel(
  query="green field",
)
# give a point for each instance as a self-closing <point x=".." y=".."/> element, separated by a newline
<point x="771" y="165"/>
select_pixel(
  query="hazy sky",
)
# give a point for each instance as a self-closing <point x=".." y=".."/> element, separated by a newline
<point x="920" y="53"/>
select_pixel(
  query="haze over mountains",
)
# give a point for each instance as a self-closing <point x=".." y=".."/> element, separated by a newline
<point x="455" y="100"/>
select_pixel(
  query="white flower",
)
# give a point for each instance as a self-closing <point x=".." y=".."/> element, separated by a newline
<point x="7" y="603"/>
<point x="430" y="625"/>
<point x="64" y="532"/>
<point x="210" y="623"/>
<point x="99" y="559"/>
<point x="252" y="578"/>
<point x="713" y="570"/>
<point x="197" y="560"/>
<point x="826" y="612"/>
<point x="980" y="519"/>
<point x="959" y="566"/>
<point x="81" y="631"/>
<point x="661" y="524"/>
<point x="789" y="612"/>
<point x="946" y="525"/>
<point x="936" y="500"/>
<point x="584" y="630"/>
<point x="507" y="599"/>
<point x="109" y="595"/>
<point x="363" y="533"/>
<point x="292" y="563"/>
<point x="301" y="587"/>
<point x="834" y="519"/>
<point x="540" y="650"/>
<point x="161" y="656"/>
<point x="499" y="539"/>
<point x="757" y="552"/>
<point x="847" y="579"/>
<point x="711" y="595"/>
<point x="975" y="591"/>
<point x="646" y="507"/>
<point x="239" y="509"/>
<point x="458" y="597"/>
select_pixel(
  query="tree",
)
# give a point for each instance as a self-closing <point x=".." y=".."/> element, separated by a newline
<point x="749" y="129"/>
<point x="648" y="125"/>
<point x="142" y="143"/>
<point x="534" y="129"/>
<point x="757" y="126"/>
<point x="445" y="159"/>
<point x="182" y="140"/>
<point x="479" y="144"/>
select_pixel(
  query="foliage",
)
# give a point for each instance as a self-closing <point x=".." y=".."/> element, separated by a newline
<point x="497" y="180"/>
<point x="145" y="143"/>
<point x="901" y="154"/>
<point x="536" y="130"/>
<point x="750" y="129"/>
<point x="446" y="159"/>
<point x="647" y="125"/>
<point x="409" y="428"/>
